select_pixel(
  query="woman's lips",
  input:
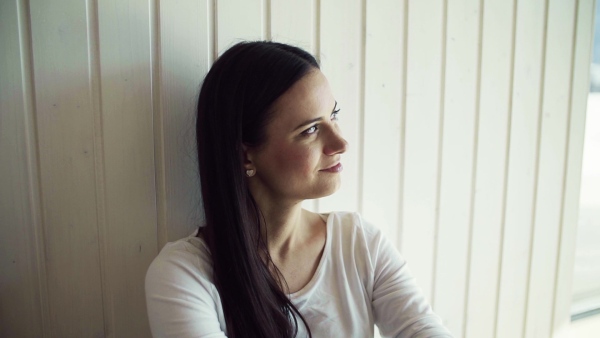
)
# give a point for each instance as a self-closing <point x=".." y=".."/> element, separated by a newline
<point x="335" y="169"/>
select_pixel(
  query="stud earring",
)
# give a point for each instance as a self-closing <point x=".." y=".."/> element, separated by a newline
<point x="250" y="172"/>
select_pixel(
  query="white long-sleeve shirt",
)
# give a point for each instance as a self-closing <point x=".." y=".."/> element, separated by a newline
<point x="361" y="281"/>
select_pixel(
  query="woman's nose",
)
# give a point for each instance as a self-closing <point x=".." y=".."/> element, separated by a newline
<point x="336" y="143"/>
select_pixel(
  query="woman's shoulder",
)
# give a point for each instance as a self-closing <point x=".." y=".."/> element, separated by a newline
<point x="186" y="256"/>
<point x="352" y="221"/>
<point x="180" y="293"/>
<point x="352" y="233"/>
<point x="189" y="246"/>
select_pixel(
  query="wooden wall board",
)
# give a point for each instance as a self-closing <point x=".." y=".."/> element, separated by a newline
<point x="458" y="139"/>
<point x="21" y="274"/>
<point x="293" y="22"/>
<point x="127" y="142"/>
<point x="385" y="97"/>
<point x="65" y="118"/>
<point x="495" y="94"/>
<point x="184" y="55"/>
<point x="584" y="23"/>
<point x="424" y="98"/>
<point x="551" y="167"/>
<point x="522" y="167"/>
<point x="238" y="21"/>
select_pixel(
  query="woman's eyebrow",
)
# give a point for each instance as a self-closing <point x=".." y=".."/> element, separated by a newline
<point x="307" y="123"/>
<point x="313" y="120"/>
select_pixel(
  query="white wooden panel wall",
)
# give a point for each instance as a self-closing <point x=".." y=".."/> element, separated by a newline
<point x="493" y="113"/>
<point x="425" y="49"/>
<point x="457" y="149"/>
<point x="63" y="40"/>
<point x="465" y="121"/>
<point x="522" y="167"/>
<point x="579" y="83"/>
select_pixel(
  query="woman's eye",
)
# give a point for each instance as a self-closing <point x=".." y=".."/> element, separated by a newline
<point x="310" y="130"/>
<point x="334" y="115"/>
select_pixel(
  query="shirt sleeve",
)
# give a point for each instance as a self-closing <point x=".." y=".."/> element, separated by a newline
<point x="400" y="308"/>
<point x="179" y="298"/>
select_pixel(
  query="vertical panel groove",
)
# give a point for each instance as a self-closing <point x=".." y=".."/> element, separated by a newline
<point x="159" y="136"/>
<point x="474" y="166"/>
<point x="210" y="28"/>
<point x="33" y="159"/>
<point x="96" y="100"/>
<point x="317" y="28"/>
<point x="215" y="31"/>
<point x="361" y="104"/>
<point x="403" y="126"/>
<point x="565" y="164"/>
<point x="506" y="163"/>
<point x="440" y="150"/>
<point x="537" y="163"/>
<point x="266" y="20"/>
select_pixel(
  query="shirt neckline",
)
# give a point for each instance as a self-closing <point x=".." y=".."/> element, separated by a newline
<point x="302" y="293"/>
<point x="305" y="291"/>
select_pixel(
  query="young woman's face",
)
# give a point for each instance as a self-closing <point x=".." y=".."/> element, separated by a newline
<point x="301" y="156"/>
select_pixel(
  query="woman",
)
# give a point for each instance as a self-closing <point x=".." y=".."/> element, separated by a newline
<point x="262" y="266"/>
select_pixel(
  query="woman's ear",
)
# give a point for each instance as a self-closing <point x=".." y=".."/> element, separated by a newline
<point x="247" y="160"/>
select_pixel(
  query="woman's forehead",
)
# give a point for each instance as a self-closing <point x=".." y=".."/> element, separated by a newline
<point x="308" y="98"/>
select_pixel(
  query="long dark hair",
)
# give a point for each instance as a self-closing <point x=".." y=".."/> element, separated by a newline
<point x="234" y="107"/>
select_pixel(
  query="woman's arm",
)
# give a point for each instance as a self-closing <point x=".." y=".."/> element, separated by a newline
<point x="400" y="308"/>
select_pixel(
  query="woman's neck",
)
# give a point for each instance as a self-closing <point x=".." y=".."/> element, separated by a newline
<point x="295" y="240"/>
<point x="285" y="226"/>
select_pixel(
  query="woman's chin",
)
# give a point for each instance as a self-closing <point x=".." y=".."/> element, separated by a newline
<point x="329" y="190"/>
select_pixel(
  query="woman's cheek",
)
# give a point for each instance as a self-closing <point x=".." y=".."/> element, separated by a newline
<point x="297" y="160"/>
